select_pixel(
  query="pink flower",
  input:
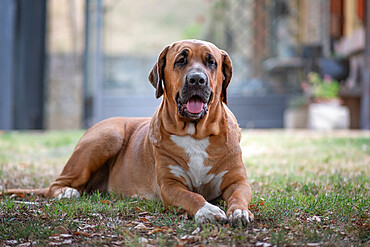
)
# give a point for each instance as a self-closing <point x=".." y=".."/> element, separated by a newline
<point x="327" y="79"/>
<point x="305" y="85"/>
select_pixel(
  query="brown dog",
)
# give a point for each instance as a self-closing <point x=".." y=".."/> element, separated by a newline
<point x="186" y="154"/>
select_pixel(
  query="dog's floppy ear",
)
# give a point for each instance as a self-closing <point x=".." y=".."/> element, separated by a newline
<point x="156" y="75"/>
<point x="227" y="71"/>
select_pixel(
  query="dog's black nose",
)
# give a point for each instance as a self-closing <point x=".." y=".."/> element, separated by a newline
<point x="197" y="79"/>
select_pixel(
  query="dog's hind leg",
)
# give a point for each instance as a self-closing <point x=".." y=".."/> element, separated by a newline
<point x="99" y="144"/>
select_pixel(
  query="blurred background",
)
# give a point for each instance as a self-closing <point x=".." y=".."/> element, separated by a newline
<point x="67" y="64"/>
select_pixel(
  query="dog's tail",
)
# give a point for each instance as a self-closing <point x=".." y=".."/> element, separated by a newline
<point x="22" y="192"/>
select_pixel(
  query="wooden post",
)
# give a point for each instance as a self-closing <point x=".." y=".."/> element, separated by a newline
<point x="93" y="62"/>
<point x="365" y="102"/>
<point x="7" y="23"/>
<point x="28" y="66"/>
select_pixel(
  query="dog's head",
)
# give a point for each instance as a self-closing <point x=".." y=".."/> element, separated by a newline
<point x="193" y="74"/>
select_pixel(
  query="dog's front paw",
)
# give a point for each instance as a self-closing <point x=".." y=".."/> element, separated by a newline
<point x="240" y="217"/>
<point x="210" y="213"/>
<point x="68" y="193"/>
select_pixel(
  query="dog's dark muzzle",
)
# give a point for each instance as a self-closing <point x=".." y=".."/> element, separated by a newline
<point x="195" y="94"/>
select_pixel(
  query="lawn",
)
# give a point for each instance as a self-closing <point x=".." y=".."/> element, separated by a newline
<point x="310" y="188"/>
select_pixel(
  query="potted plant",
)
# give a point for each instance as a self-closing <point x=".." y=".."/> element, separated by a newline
<point x="324" y="106"/>
<point x="321" y="90"/>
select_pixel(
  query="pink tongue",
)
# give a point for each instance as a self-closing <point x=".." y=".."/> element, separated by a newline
<point x="194" y="105"/>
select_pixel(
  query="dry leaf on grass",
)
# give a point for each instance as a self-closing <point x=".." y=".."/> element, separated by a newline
<point x="60" y="230"/>
<point x="85" y="234"/>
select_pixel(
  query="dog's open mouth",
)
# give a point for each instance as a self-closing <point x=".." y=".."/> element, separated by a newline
<point x="193" y="108"/>
<point x="195" y="105"/>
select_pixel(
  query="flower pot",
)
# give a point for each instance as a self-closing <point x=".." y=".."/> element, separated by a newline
<point x="328" y="116"/>
<point x="333" y="101"/>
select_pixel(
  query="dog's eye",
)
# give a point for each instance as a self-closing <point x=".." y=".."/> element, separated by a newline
<point x="211" y="63"/>
<point x="180" y="62"/>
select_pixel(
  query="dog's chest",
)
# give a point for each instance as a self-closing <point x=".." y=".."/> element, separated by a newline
<point x="197" y="177"/>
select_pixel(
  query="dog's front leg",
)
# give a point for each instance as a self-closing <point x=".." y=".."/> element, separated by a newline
<point x="175" y="192"/>
<point x="238" y="194"/>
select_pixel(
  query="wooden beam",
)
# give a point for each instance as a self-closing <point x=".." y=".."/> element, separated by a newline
<point x="349" y="17"/>
<point x="365" y="102"/>
<point x="7" y="23"/>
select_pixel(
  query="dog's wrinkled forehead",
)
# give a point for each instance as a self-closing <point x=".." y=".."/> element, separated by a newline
<point x="193" y="48"/>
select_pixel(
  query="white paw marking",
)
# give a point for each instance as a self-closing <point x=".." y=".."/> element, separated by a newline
<point x="240" y="216"/>
<point x="68" y="193"/>
<point x="210" y="213"/>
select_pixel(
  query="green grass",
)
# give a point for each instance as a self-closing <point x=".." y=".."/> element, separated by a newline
<point x="309" y="187"/>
